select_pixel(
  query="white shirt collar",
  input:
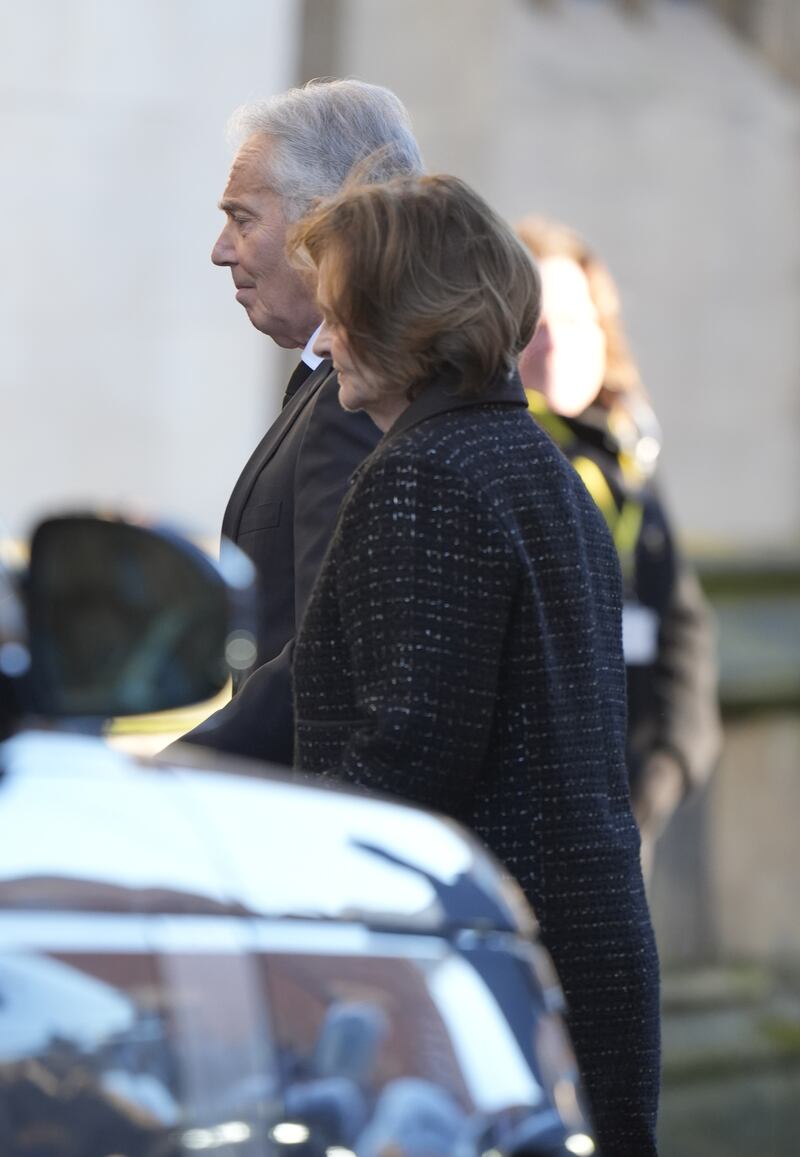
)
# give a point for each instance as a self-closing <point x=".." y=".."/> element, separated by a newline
<point x="308" y="356"/>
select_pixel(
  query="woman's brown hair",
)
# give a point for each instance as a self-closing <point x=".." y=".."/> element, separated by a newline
<point x="424" y="277"/>
<point x="545" y="238"/>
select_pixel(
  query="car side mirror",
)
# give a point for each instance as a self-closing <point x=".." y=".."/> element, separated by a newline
<point x="125" y="619"/>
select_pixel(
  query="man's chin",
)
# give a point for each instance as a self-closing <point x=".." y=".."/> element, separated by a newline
<point x="266" y="326"/>
<point x="286" y="343"/>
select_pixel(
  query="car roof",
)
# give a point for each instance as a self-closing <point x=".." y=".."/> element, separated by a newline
<point x="84" y="827"/>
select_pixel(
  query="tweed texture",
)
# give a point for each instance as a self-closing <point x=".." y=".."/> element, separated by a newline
<point x="462" y="649"/>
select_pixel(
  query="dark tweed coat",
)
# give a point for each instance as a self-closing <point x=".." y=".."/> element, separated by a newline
<point x="462" y="649"/>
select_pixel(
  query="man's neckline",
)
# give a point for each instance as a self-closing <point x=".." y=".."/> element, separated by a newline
<point x="308" y="356"/>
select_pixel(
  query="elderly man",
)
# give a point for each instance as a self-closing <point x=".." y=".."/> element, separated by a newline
<point x="295" y="147"/>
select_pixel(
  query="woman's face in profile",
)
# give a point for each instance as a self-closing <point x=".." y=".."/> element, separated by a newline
<point x="360" y="387"/>
<point x="566" y="358"/>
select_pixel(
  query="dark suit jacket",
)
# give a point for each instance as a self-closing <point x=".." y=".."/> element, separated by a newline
<point x="462" y="649"/>
<point x="282" y="513"/>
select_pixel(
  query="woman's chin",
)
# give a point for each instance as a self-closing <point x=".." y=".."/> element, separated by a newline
<point x="348" y="397"/>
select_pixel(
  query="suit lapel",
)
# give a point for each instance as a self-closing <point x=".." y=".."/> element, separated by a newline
<point x="268" y="446"/>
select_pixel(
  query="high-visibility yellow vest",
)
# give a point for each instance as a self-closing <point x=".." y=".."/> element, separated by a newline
<point x="625" y="520"/>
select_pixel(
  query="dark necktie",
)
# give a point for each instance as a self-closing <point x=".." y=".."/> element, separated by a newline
<point x="301" y="372"/>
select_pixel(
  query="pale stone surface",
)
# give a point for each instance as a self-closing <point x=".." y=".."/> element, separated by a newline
<point x="676" y="151"/>
<point x="754" y="845"/>
<point x="727" y="871"/>
<point x="772" y="25"/>
<point x="129" y="374"/>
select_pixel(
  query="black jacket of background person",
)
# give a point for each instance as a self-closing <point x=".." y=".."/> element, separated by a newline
<point x="462" y="649"/>
<point x="673" y="708"/>
<point x="282" y="513"/>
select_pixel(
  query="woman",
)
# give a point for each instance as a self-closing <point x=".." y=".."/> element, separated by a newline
<point x="584" y="388"/>
<point x="462" y="645"/>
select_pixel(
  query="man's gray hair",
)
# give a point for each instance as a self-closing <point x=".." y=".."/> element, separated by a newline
<point x="321" y="131"/>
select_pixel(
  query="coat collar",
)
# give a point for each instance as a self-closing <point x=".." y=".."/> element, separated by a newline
<point x="440" y="397"/>
<point x="268" y="446"/>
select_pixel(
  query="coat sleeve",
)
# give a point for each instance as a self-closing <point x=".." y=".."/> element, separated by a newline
<point x="685" y="680"/>
<point x="258" y="722"/>
<point x="423" y="581"/>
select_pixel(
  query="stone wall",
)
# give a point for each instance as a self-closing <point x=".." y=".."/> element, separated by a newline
<point x="129" y="374"/>
<point x="671" y="145"/>
<point x="675" y="150"/>
<point x="771" y="26"/>
<point x="727" y="872"/>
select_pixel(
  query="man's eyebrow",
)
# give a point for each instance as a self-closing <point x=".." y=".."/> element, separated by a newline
<point x="229" y="205"/>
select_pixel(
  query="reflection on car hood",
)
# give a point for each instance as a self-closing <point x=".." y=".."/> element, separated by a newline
<point x="83" y="827"/>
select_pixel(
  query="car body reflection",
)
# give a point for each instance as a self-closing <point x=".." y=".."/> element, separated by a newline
<point x="197" y="958"/>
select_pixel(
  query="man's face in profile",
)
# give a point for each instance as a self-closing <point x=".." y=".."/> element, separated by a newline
<point x="278" y="300"/>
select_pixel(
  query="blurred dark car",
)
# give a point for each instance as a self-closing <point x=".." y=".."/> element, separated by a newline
<point x="202" y="955"/>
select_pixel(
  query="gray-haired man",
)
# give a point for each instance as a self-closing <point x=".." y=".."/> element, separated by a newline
<point x="295" y="147"/>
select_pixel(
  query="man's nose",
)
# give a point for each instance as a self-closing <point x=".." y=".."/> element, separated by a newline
<point x="322" y="345"/>
<point x="223" y="251"/>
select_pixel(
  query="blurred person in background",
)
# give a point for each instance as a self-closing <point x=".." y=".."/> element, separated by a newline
<point x="584" y="389"/>
<point x="462" y="645"/>
<point x="295" y="147"/>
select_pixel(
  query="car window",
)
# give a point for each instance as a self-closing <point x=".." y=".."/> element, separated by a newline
<point x="394" y="1042"/>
